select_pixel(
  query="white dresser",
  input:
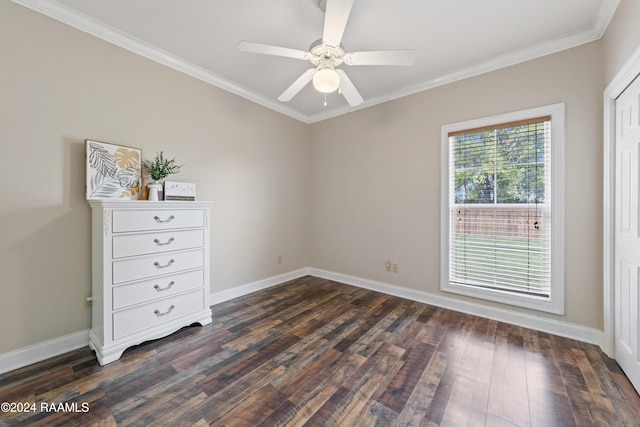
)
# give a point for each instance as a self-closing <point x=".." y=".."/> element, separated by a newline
<point x="150" y="271"/>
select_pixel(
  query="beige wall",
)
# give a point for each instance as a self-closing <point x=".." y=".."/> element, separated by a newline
<point x="375" y="185"/>
<point x="59" y="86"/>
<point x="622" y="38"/>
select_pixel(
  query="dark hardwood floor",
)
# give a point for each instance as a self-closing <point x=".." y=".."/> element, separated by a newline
<point x="315" y="352"/>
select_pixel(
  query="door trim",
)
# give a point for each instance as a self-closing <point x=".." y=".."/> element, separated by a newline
<point x="629" y="71"/>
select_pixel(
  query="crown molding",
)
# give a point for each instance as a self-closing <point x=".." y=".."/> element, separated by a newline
<point x="73" y="18"/>
<point x="499" y="62"/>
<point x="607" y="10"/>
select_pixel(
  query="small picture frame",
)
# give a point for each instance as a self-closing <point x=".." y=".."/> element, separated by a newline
<point x="179" y="191"/>
<point x="113" y="171"/>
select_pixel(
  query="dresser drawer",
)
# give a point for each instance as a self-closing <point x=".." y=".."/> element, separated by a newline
<point x="130" y="269"/>
<point x="125" y="245"/>
<point x="160" y="287"/>
<point x="136" y="319"/>
<point x="156" y="219"/>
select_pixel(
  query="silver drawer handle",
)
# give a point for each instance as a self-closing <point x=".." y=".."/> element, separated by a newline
<point x="159" y="289"/>
<point x="157" y="218"/>
<point x="168" y="242"/>
<point x="157" y="312"/>
<point x="157" y="264"/>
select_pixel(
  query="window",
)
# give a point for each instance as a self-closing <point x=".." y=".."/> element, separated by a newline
<point x="502" y="208"/>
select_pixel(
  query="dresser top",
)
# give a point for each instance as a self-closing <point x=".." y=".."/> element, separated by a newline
<point x="146" y="204"/>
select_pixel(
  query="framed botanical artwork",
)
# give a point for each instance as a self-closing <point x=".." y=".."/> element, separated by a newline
<point x="113" y="171"/>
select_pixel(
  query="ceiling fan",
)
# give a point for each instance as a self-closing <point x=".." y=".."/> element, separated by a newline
<point x="327" y="54"/>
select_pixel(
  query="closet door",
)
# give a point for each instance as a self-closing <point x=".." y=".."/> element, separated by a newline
<point x="627" y="234"/>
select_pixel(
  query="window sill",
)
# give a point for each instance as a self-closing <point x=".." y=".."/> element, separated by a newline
<point x="547" y="305"/>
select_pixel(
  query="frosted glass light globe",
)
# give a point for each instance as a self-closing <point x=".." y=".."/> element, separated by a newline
<point x="326" y="80"/>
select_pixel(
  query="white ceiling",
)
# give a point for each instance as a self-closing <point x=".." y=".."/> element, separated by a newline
<point x="454" y="39"/>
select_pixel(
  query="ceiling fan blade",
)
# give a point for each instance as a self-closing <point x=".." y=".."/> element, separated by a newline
<point x="381" y="57"/>
<point x="348" y="90"/>
<point x="268" y="49"/>
<point x="297" y="86"/>
<point x="335" y="20"/>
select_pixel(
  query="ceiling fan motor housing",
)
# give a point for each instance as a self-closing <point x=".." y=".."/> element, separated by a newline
<point x="325" y="56"/>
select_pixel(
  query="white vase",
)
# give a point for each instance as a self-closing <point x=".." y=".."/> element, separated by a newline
<point x="154" y="188"/>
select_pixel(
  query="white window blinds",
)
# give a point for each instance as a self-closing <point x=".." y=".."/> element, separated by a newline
<point x="500" y="207"/>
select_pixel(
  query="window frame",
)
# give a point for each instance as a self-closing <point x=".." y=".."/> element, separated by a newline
<point x="555" y="302"/>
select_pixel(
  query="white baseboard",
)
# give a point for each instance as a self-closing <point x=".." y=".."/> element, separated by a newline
<point x="543" y="324"/>
<point x="42" y="351"/>
<point x="239" y="291"/>
<point x="45" y="350"/>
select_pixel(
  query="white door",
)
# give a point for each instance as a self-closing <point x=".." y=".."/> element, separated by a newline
<point x="627" y="234"/>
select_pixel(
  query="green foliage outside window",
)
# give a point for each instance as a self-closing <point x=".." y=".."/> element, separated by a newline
<point x="500" y="166"/>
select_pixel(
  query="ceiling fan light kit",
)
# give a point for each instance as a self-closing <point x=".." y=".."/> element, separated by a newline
<point x="326" y="80"/>
<point x="327" y="53"/>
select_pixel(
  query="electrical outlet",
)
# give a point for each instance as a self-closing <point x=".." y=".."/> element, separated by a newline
<point x="279" y="259"/>
<point x="387" y="266"/>
<point x="395" y="268"/>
